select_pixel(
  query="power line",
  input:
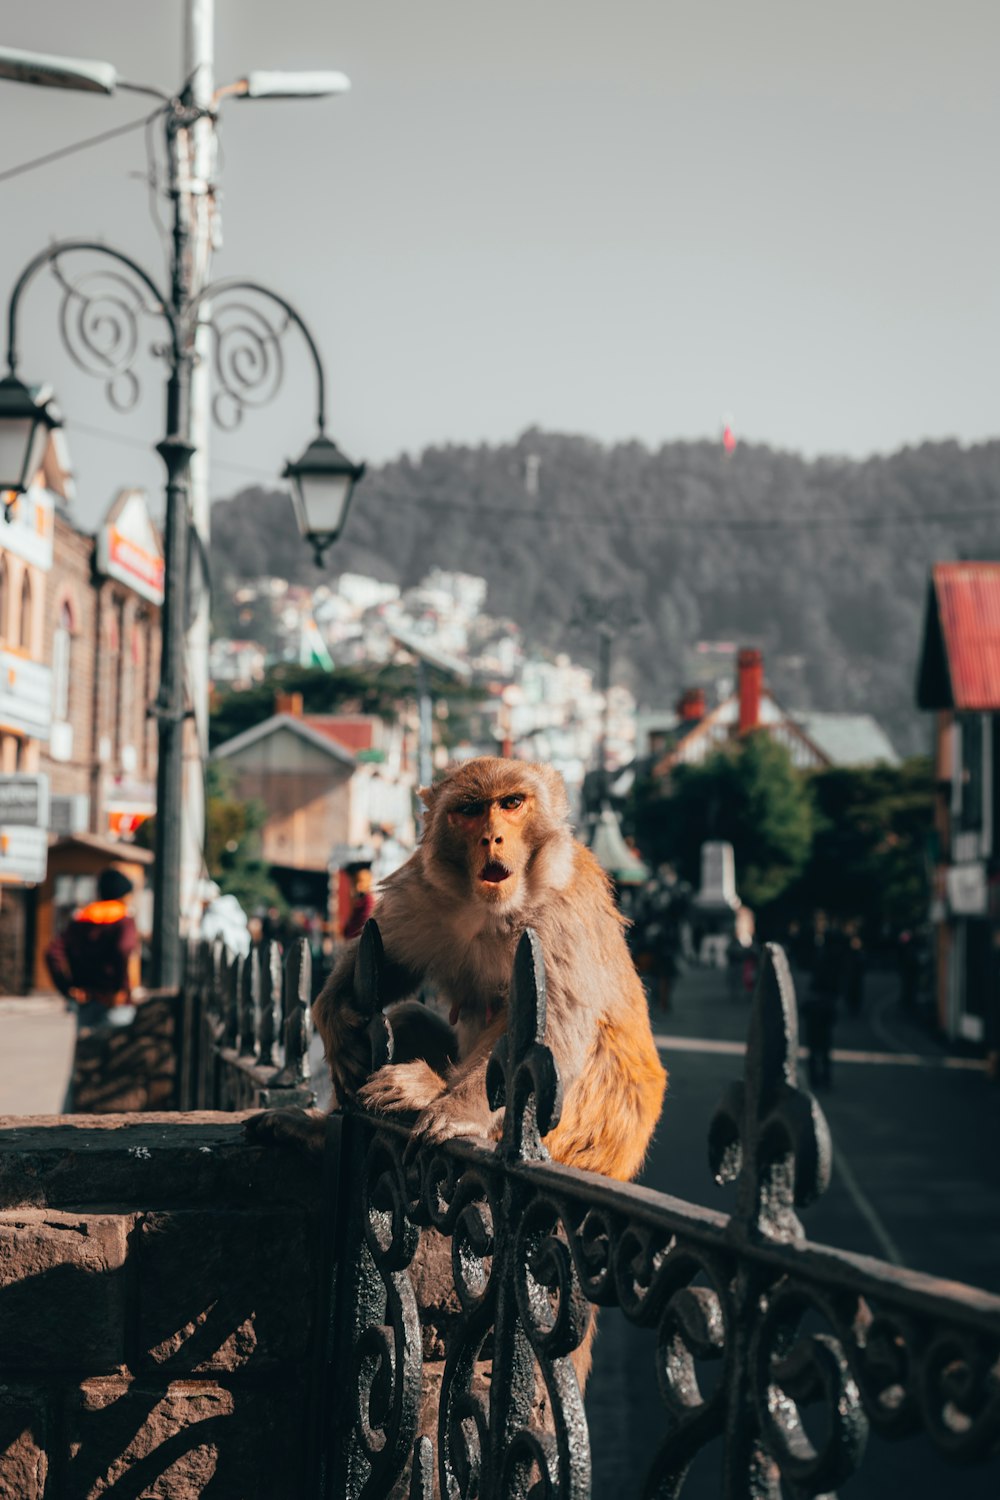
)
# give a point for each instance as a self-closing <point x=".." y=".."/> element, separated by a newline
<point x="110" y="436"/>
<point x="715" y="522"/>
<point x="91" y="140"/>
<point x="592" y="518"/>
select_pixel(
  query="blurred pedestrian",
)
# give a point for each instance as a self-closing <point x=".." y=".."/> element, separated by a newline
<point x="855" y="965"/>
<point x="91" y="961"/>
<point x="362" y="902"/>
<point x="908" y="963"/>
<point x="819" y="1012"/>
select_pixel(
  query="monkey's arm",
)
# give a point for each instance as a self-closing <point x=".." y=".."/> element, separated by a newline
<point x="447" y="1107"/>
<point x="343" y="1027"/>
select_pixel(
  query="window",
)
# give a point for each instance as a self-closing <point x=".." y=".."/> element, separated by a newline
<point x="122" y="682"/>
<point x="971" y="772"/>
<point x="24" y="628"/>
<point x="62" y="650"/>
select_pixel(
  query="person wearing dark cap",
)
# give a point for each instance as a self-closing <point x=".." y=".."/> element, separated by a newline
<point x="90" y="961"/>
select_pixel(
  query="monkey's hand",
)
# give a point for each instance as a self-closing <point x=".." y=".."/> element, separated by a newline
<point x="302" y="1128"/>
<point x="401" y="1088"/>
<point x="446" y="1118"/>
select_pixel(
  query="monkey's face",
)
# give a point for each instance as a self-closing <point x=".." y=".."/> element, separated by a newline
<point x="497" y="833"/>
<point x="492" y="832"/>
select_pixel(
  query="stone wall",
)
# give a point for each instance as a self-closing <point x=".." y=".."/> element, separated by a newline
<point x="160" y="1311"/>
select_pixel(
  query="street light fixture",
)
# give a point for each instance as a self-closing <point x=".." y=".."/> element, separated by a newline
<point x="323" y="481"/>
<point x="101" y="317"/>
<point x="26" y="419"/>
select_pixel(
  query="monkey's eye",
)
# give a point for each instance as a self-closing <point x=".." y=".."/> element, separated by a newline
<point x="514" y="800"/>
<point x="472" y="809"/>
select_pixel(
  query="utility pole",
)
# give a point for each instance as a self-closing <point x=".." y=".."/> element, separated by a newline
<point x="201" y="207"/>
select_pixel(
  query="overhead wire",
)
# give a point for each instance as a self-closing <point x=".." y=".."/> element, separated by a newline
<point x="74" y="146"/>
<point x="586" y="519"/>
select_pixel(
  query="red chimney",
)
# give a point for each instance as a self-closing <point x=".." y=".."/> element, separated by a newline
<point x="691" y="705"/>
<point x="751" y="665"/>
<point x="288" y="703"/>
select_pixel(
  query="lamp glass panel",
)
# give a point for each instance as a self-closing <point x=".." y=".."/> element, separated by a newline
<point x="16" y="450"/>
<point x="324" y="502"/>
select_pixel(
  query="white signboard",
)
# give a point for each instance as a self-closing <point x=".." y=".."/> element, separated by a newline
<point x="24" y="801"/>
<point x="967" y="890"/>
<point x="25" y="695"/>
<point x="29" y="528"/>
<point x="128" y="547"/>
<point x="23" y="855"/>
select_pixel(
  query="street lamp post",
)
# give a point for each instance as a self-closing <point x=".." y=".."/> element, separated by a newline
<point x="101" y="313"/>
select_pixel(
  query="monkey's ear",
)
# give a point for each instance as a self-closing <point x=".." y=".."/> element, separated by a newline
<point x="428" y="795"/>
<point x="556" y="789"/>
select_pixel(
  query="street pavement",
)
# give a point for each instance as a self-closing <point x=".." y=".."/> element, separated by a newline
<point x="916" y="1181"/>
<point x="37" y="1037"/>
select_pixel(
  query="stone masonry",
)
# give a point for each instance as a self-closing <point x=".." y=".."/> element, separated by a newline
<point x="160" y="1311"/>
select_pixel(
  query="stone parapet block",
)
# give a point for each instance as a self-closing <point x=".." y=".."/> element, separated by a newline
<point x="182" y="1441"/>
<point x="62" y="1290"/>
<point x="225" y="1291"/>
<point x="25" y="1437"/>
<point x="150" y="1160"/>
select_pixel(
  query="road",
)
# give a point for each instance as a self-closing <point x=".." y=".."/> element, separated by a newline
<point x="916" y="1181"/>
<point x="37" y="1039"/>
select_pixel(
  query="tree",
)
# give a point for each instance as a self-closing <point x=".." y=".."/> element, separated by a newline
<point x="747" y="793"/>
<point x="869" y="854"/>
<point x="233" y="844"/>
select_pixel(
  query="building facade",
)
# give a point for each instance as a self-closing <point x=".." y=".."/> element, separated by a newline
<point x="959" y="683"/>
<point x="102" y="640"/>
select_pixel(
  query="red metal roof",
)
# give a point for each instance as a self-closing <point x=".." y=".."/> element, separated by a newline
<point x="968" y="602"/>
<point x="352" y="733"/>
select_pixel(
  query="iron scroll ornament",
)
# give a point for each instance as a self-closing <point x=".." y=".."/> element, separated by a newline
<point x="812" y="1347"/>
<point x="103" y="309"/>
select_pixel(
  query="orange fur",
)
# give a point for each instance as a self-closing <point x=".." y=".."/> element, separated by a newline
<point x="497" y="856"/>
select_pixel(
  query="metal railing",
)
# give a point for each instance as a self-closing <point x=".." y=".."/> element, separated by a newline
<point x="245" y="1027"/>
<point x="795" y="1331"/>
<point x="465" y="1279"/>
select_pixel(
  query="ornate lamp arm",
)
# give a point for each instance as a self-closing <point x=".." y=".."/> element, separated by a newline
<point x="248" y="353"/>
<point x="110" y="314"/>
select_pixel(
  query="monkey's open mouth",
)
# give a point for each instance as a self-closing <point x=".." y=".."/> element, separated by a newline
<point x="495" y="872"/>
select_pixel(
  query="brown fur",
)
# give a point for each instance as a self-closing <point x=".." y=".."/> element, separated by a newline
<point x="440" y="920"/>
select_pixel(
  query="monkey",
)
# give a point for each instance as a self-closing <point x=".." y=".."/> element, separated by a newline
<point x="497" y="855"/>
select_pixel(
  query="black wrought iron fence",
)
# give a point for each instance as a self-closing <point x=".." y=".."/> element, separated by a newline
<point x="245" y="1027"/>
<point x="465" y="1277"/>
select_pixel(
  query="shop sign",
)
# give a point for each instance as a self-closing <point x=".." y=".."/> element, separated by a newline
<point x="128" y="547"/>
<point x="967" y="890"/>
<point x="23" y="855"/>
<point x="30" y="527"/>
<point x="126" y="805"/>
<point x="24" y="801"/>
<point x="25" y="695"/>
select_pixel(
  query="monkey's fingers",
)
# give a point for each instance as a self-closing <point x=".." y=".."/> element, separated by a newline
<point x="302" y="1128"/>
<point x="440" y="1122"/>
<point x="400" y="1087"/>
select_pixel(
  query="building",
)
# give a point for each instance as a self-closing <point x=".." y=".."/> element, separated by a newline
<point x="328" y="782"/>
<point x="102" y="639"/>
<point x="26" y="553"/>
<point x="958" y="681"/>
<point x="813" y="740"/>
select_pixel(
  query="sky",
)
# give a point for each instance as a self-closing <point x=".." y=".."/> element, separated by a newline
<point x="627" y="221"/>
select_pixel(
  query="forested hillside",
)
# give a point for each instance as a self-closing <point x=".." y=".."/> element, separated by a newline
<point x="824" y="564"/>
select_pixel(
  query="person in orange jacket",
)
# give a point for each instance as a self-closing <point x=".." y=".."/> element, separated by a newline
<point x="89" y="962"/>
